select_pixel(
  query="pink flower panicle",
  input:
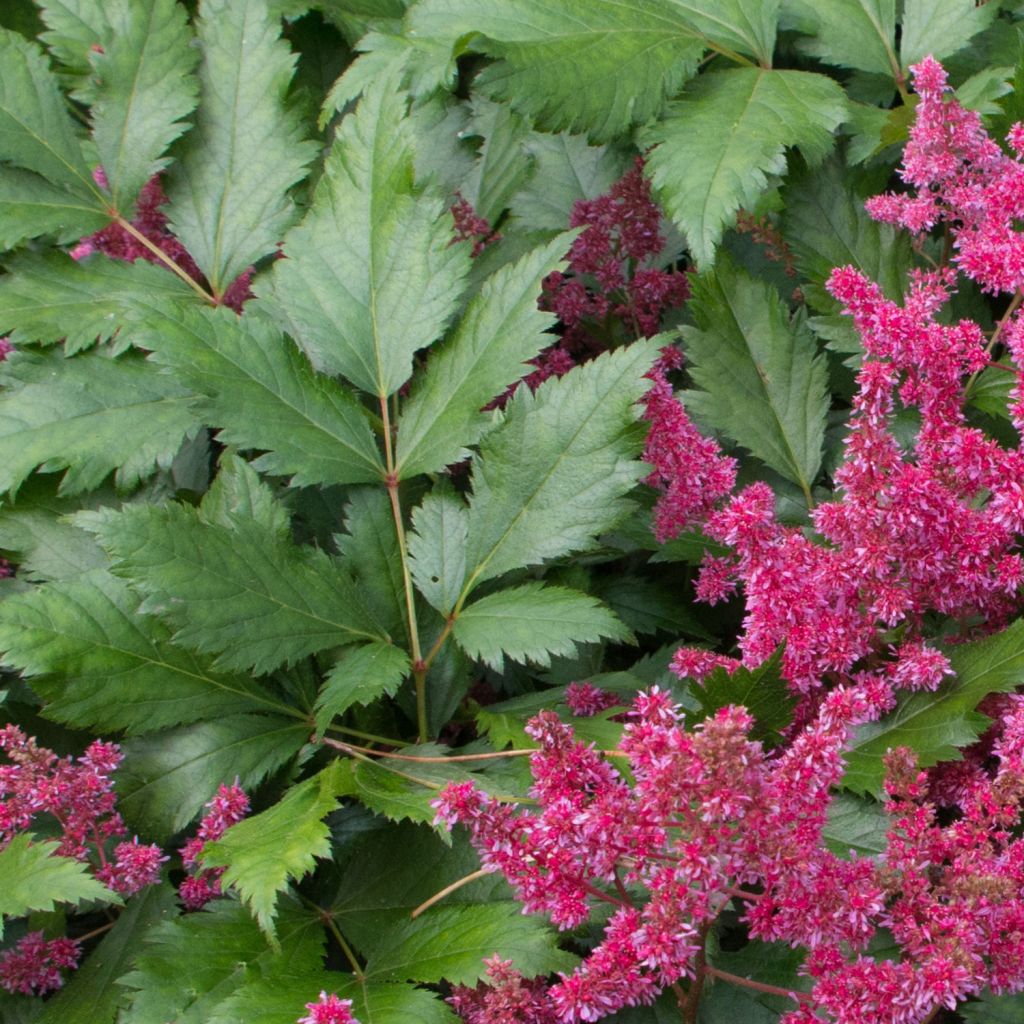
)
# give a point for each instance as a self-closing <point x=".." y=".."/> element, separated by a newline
<point x="229" y="806"/>
<point x="33" y="966"/>
<point x="586" y="700"/>
<point x="80" y="797"/>
<point x="329" y="1009"/>
<point x="506" y="998"/>
<point x="470" y="226"/>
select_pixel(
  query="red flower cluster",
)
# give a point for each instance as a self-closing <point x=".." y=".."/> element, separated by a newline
<point x="229" y="806"/>
<point x="33" y="967"/>
<point x="329" y="1009"/>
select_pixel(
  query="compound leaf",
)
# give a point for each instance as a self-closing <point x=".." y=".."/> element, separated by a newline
<point x="363" y="674"/>
<point x="437" y="548"/>
<point x="857" y="34"/>
<point x="31" y="206"/>
<point x="941" y="27"/>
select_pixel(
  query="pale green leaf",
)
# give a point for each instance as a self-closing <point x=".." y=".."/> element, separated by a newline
<point x="238" y="493"/>
<point x="33" y="877"/>
<point x="228" y="191"/>
<point x="103" y="666"/>
<point x="144" y="91"/>
<point x="938" y="725"/>
<point x="166" y="778"/>
<point x="717" y="147"/>
<point x="90" y="415"/>
<point x="826" y="225"/>
<point x="221" y="953"/>
<point x="567" y="169"/>
<point x="761" y="378"/>
<point x="261" y="854"/>
<point x="35" y="128"/>
<point x="857" y="34"/>
<point x="554" y="475"/>
<point x="245" y="592"/>
<point x="361" y="675"/>
<point x="50" y="297"/>
<point x="500" y="330"/>
<point x="30" y="206"/>
<point x="262" y="393"/>
<point x="92" y="994"/>
<point x="371" y="275"/>
<point x="595" y="65"/>
<point x="940" y="28"/>
<point x="503" y="163"/>
<point x="74" y="27"/>
<point x="452" y="943"/>
<point x="437" y="548"/>
<point x="532" y="622"/>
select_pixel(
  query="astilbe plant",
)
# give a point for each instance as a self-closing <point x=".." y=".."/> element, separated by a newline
<point x="707" y="816"/>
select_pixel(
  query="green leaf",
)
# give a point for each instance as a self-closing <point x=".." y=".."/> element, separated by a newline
<point x="762" y="691"/>
<point x="501" y="329"/>
<point x="856" y="824"/>
<point x="30" y="206"/>
<point x="35" y="129"/>
<point x="145" y="89"/>
<point x="717" y="147"/>
<point x="993" y="1009"/>
<point x="533" y="622"/>
<point x="228" y="190"/>
<point x="761" y="378"/>
<point x="593" y="65"/>
<point x="452" y="943"/>
<point x="503" y="163"/>
<point x="106" y="667"/>
<point x="363" y="674"/>
<point x="219" y="954"/>
<point x="941" y="27"/>
<point x="238" y="493"/>
<point x="246" y="593"/>
<point x="166" y="778"/>
<point x="33" y="877"/>
<point x="567" y="169"/>
<point x="554" y="475"/>
<point x="51" y="297"/>
<point x="263" y="853"/>
<point x="850" y="33"/>
<point x="649" y="606"/>
<point x="74" y="27"/>
<point x="937" y="725"/>
<point x="93" y="995"/>
<point x="826" y="225"/>
<point x="371" y="275"/>
<point x="437" y="548"/>
<point x="388" y="1003"/>
<point x="90" y="415"/>
<point x="262" y="393"/>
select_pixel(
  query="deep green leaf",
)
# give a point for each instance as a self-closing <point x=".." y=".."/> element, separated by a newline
<point x="144" y="91"/>
<point x="238" y="493"/>
<point x="166" y="778"/>
<point x="35" y="128"/>
<point x="595" y="65"/>
<point x="938" y="725"/>
<point x="533" y="622"/>
<point x="91" y="415"/>
<point x="103" y="666"/>
<point x="452" y="943"/>
<point x="262" y="393"/>
<point x="856" y="824"/>
<point x="717" y="147"/>
<point x="437" y="548"/>
<point x="228" y="191"/>
<point x="245" y="593"/>
<point x="263" y="853"/>
<point x="388" y="1003"/>
<point x="34" y="877"/>
<point x="850" y="33"/>
<point x="30" y="206"/>
<point x="501" y="329"/>
<point x="52" y="297"/>
<point x="554" y="474"/>
<point x="363" y="674"/>
<point x="993" y="1009"/>
<point x="567" y="169"/>
<point x="761" y="378"/>
<point x="940" y="28"/>
<point x="762" y="691"/>
<point x="371" y="275"/>
<point x="93" y="995"/>
<point x="649" y="606"/>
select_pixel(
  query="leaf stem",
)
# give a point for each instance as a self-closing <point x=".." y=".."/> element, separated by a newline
<point x="96" y="931"/>
<point x="350" y="956"/>
<point x="757" y="986"/>
<point x="419" y="667"/>
<point x="448" y="890"/>
<point x="368" y="736"/>
<point x="391" y="755"/>
<point x="165" y="259"/>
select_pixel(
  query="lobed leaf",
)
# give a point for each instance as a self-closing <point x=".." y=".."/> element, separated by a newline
<point x="857" y="34"/>
<point x="362" y="674"/>
<point x="941" y="28"/>
<point x="437" y="548"/>
<point x="30" y="206"/>
<point x="370" y="274"/>
<point x="717" y="147"/>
